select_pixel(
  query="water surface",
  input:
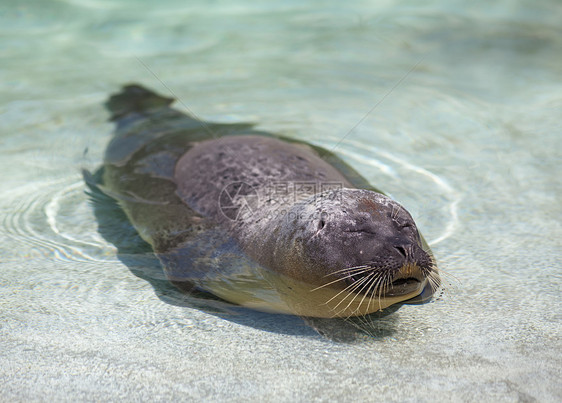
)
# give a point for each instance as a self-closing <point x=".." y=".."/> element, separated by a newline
<point x="452" y="108"/>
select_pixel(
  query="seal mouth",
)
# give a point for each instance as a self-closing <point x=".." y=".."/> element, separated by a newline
<point x="403" y="286"/>
<point x="409" y="279"/>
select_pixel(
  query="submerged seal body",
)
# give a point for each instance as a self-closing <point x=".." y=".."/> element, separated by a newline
<point x="259" y="220"/>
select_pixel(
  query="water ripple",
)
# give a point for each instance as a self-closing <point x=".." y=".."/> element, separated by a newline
<point x="54" y="216"/>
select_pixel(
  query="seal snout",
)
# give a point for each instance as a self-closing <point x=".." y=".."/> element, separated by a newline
<point x="402" y="268"/>
<point x="416" y="267"/>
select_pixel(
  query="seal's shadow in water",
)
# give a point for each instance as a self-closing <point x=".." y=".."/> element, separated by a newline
<point x="138" y="256"/>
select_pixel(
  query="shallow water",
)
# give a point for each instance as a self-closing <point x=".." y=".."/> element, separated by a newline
<point x="452" y="108"/>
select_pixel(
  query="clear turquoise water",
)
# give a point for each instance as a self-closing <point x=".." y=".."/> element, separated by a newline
<point x="470" y="141"/>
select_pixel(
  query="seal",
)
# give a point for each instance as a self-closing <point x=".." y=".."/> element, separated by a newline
<point x="260" y="220"/>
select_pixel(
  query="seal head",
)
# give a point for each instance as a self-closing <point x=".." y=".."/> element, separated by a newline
<point x="353" y="243"/>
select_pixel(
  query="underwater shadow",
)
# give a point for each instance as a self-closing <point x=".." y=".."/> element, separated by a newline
<point x="137" y="255"/>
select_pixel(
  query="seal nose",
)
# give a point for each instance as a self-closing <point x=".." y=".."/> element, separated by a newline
<point x="401" y="249"/>
<point x="405" y="250"/>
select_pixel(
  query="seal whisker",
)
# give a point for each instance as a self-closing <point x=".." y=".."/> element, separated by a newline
<point x="347" y="269"/>
<point x="339" y="279"/>
<point x="352" y="292"/>
<point x="444" y="272"/>
<point x="434" y="279"/>
<point x="368" y="284"/>
<point x="369" y="292"/>
<point x="363" y="324"/>
<point x="389" y="277"/>
<point x="350" y="287"/>
<point x="381" y="288"/>
<point x="437" y="283"/>
<point x="376" y="285"/>
<point x="372" y="291"/>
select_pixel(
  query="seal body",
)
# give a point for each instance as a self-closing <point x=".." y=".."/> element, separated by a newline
<point x="259" y="220"/>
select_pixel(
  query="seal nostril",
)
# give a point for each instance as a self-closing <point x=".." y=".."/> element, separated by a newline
<point x="400" y="249"/>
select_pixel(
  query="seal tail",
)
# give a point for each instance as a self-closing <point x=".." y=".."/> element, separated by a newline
<point x="135" y="98"/>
